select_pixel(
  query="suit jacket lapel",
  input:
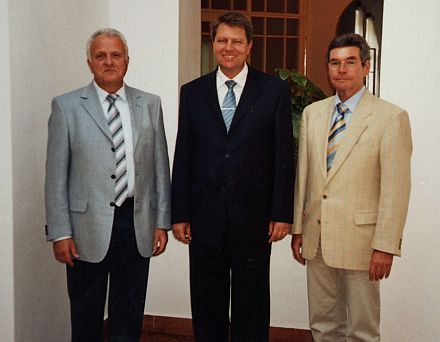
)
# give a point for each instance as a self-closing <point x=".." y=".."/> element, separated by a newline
<point x="251" y="90"/>
<point x="211" y="96"/>
<point x="136" y="112"/>
<point x="359" y="123"/>
<point x="90" y="102"/>
<point x="322" y="132"/>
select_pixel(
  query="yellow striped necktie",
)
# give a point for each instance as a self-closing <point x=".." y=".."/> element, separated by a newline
<point x="336" y="133"/>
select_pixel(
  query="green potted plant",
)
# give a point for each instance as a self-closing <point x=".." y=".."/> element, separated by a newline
<point x="303" y="93"/>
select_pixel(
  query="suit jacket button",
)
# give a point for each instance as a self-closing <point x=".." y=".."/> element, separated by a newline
<point x="319" y="221"/>
<point x="324" y="196"/>
<point x="227" y="156"/>
<point x="112" y="176"/>
<point x="112" y="204"/>
<point x="113" y="149"/>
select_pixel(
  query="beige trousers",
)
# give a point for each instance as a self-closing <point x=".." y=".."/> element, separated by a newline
<point x="344" y="305"/>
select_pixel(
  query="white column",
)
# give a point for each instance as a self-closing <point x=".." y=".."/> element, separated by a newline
<point x="6" y="209"/>
<point x="47" y="57"/>
<point x="410" y="77"/>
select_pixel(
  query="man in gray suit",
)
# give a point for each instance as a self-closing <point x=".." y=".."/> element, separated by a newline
<point x="107" y="192"/>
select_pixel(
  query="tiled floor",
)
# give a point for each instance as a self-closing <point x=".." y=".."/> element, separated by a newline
<point x="165" y="338"/>
<point x="169" y="329"/>
<point x="275" y="337"/>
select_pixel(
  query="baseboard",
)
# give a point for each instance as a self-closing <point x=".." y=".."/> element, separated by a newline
<point x="183" y="327"/>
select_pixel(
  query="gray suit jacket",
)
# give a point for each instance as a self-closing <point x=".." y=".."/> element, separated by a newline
<point x="80" y="162"/>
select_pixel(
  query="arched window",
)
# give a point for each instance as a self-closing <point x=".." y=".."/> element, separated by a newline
<point x="367" y="22"/>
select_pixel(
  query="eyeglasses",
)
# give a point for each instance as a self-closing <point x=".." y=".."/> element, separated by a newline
<point x="348" y="63"/>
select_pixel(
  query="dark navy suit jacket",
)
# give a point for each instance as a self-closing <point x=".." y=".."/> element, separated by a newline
<point x="244" y="177"/>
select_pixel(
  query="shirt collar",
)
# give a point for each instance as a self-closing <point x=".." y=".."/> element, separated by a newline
<point x="240" y="78"/>
<point x="102" y="94"/>
<point x="353" y="101"/>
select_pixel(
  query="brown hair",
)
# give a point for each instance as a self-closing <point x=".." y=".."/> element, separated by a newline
<point x="233" y="19"/>
<point x="351" y="39"/>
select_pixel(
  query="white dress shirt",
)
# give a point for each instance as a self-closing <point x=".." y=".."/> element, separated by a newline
<point x="222" y="88"/>
<point x="351" y="104"/>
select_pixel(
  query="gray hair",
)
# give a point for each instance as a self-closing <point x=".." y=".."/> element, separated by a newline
<point x="110" y="32"/>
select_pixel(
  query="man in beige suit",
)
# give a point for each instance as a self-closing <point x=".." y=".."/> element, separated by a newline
<point x="351" y="197"/>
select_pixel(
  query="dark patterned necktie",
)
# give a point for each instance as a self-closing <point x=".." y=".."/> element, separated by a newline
<point x="229" y="104"/>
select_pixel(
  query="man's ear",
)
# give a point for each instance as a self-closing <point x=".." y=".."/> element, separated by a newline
<point x="366" y="68"/>
<point x="249" y="47"/>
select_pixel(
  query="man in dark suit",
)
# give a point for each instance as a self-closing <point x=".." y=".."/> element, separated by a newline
<point x="107" y="192"/>
<point x="232" y="186"/>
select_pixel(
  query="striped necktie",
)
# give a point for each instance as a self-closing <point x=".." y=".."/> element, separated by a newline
<point x="115" y="124"/>
<point x="336" y="133"/>
<point x="229" y="104"/>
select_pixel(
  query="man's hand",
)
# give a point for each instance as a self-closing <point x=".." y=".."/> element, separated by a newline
<point x="65" y="250"/>
<point x="182" y="232"/>
<point x="380" y="265"/>
<point x="278" y="230"/>
<point x="160" y="241"/>
<point x="296" y="245"/>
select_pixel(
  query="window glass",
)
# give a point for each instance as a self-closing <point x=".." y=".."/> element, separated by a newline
<point x="274" y="54"/>
<point x="275" y="26"/>
<point x="257" y="53"/>
<point x="292" y="6"/>
<point x="221" y="4"/>
<point x="292" y="53"/>
<point x="276" y="6"/>
<point x="240" y="5"/>
<point x="258" y="5"/>
<point x="258" y="24"/>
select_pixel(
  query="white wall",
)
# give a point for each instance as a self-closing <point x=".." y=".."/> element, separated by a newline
<point x="410" y="78"/>
<point x="190" y="26"/>
<point x="6" y="214"/>
<point x="47" y="55"/>
<point x="153" y="40"/>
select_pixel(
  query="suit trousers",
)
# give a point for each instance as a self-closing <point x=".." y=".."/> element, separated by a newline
<point x="128" y="273"/>
<point x="344" y="305"/>
<point x="223" y="273"/>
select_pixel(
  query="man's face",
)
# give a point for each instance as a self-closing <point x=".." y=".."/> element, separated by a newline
<point x="108" y="62"/>
<point x="346" y="71"/>
<point x="231" y="49"/>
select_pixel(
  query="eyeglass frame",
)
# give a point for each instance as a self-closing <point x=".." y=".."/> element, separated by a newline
<point x="349" y="63"/>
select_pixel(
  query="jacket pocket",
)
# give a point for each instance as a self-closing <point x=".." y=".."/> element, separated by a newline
<point x="77" y="205"/>
<point x="369" y="217"/>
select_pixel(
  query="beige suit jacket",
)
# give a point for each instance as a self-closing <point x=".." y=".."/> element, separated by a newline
<point x="361" y="203"/>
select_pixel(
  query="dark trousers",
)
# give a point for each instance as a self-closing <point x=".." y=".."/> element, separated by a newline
<point x="87" y="287"/>
<point x="224" y="272"/>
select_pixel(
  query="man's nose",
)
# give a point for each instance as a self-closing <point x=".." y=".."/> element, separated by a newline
<point x="342" y="67"/>
<point x="108" y="60"/>
<point x="228" y="45"/>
